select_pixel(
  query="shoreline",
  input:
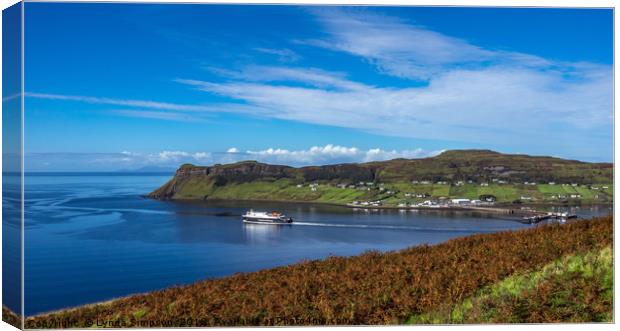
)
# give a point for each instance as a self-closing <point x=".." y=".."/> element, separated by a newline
<point x="497" y="209"/>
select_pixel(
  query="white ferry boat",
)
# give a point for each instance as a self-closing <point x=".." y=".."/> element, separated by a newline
<point x="273" y="217"/>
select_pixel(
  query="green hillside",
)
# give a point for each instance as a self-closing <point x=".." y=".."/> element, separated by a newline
<point x="452" y="174"/>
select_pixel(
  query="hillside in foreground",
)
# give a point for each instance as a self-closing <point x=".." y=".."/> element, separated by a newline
<point x="478" y="274"/>
<point x="453" y="174"/>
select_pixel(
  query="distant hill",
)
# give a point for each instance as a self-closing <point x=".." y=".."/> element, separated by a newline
<point x="472" y="166"/>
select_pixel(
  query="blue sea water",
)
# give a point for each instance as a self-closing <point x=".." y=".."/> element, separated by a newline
<point x="93" y="237"/>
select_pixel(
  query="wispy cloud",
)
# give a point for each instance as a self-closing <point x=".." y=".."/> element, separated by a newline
<point x="11" y="97"/>
<point x="309" y="76"/>
<point x="121" y="102"/>
<point x="403" y="49"/>
<point x="283" y="54"/>
<point x="496" y="103"/>
<point x="160" y="115"/>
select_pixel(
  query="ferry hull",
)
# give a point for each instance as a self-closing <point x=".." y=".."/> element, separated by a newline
<point x="252" y="220"/>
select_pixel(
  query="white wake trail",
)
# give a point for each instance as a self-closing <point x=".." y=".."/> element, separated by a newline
<point x="377" y="226"/>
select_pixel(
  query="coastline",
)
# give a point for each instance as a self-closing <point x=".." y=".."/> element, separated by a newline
<point x="499" y="209"/>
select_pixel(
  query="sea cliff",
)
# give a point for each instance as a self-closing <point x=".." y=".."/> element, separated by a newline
<point x="452" y="174"/>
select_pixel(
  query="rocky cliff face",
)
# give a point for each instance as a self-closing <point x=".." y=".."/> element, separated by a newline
<point x="220" y="175"/>
<point x="237" y="172"/>
<point x="248" y="171"/>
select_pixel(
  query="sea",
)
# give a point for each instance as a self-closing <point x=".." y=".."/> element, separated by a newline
<point x="94" y="237"/>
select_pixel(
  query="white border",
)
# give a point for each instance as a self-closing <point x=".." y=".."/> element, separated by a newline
<point x="476" y="3"/>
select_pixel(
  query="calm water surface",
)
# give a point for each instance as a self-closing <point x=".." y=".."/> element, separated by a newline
<point x="91" y="238"/>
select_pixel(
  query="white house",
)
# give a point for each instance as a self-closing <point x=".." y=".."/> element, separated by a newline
<point x="461" y="202"/>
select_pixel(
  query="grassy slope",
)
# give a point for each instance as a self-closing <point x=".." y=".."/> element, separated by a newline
<point x="575" y="288"/>
<point x="474" y="164"/>
<point x="253" y="180"/>
<point x="372" y="288"/>
<point x="287" y="190"/>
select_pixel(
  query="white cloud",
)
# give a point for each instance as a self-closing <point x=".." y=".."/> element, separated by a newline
<point x="497" y="104"/>
<point x="120" y="102"/>
<point x="283" y="54"/>
<point x="160" y="115"/>
<point x="127" y="160"/>
<point x="11" y="97"/>
<point x="331" y="154"/>
<point x="201" y="155"/>
<point x="403" y="49"/>
<point x="310" y="76"/>
<point x="177" y="156"/>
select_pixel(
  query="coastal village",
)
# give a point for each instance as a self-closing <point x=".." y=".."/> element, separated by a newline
<point x="480" y="180"/>
<point x="422" y="194"/>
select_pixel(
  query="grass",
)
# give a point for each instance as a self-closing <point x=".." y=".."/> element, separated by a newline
<point x="372" y="288"/>
<point x="503" y="193"/>
<point x="286" y="189"/>
<point x="465" y="191"/>
<point x="551" y="189"/>
<point x="441" y="191"/>
<point x="575" y="288"/>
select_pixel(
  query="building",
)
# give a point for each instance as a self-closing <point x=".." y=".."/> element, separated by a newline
<point x="461" y="202"/>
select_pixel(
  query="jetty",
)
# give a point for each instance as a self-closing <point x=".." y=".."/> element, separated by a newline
<point x="533" y="219"/>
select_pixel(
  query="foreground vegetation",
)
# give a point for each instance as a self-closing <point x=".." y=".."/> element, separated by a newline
<point x="11" y="318"/>
<point x="386" y="288"/>
<point x="575" y="288"/>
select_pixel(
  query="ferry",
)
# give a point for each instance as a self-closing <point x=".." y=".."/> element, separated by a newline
<point x="259" y="217"/>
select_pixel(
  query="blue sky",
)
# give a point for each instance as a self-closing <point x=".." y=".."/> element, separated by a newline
<point x="123" y="86"/>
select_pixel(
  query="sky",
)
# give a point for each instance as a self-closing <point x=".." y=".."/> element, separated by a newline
<point x="126" y="86"/>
